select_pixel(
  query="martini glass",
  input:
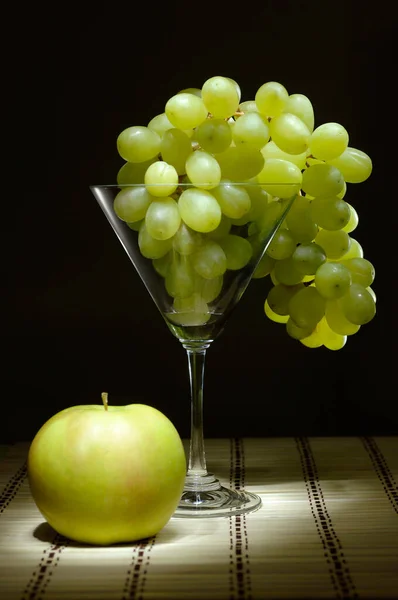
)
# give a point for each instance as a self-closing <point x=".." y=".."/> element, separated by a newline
<point x="196" y="320"/>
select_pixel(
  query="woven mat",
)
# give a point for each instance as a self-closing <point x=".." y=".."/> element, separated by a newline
<point x="328" y="528"/>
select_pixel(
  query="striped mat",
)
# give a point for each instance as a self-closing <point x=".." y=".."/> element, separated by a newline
<point x="327" y="528"/>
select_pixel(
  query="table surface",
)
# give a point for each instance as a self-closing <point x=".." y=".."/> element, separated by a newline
<point x="327" y="528"/>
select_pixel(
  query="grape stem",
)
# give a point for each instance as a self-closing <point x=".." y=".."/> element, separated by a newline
<point x="306" y="163"/>
<point x="104" y="397"/>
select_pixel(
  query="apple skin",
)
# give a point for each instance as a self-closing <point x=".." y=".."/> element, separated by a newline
<point x="103" y="476"/>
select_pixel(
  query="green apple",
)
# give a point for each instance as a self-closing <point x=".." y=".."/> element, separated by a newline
<point x="107" y="474"/>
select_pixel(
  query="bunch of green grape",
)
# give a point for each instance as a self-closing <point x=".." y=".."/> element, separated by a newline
<point x="188" y="209"/>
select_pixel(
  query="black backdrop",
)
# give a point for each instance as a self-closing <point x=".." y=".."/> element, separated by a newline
<point x="79" y="320"/>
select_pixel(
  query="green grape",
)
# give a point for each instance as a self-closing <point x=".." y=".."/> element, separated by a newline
<point x="296" y="332"/>
<point x="358" y="305"/>
<point x="180" y="277"/>
<point x="240" y="164"/>
<point x="335" y="243"/>
<point x="354" y="165"/>
<point x="138" y="144"/>
<point x="162" y="264"/>
<point x="331" y="340"/>
<point x="343" y="192"/>
<point x="272" y="214"/>
<point x="273" y="277"/>
<point x="251" y="129"/>
<point x="299" y="221"/>
<point x="199" y="210"/>
<point x="264" y="267"/>
<point x="162" y="218"/>
<point x="131" y="203"/>
<point x="237" y="87"/>
<point x="203" y="170"/>
<point x="314" y="340"/>
<point x="273" y="316"/>
<point x="135" y="225"/>
<point x="286" y="272"/>
<point x="209" y="261"/>
<point x="271" y="150"/>
<point x="336" y="319"/>
<point x="185" y="111"/>
<point x="234" y="200"/>
<point x="160" y="124"/>
<point x="332" y="280"/>
<point x="307" y="308"/>
<point x="209" y="289"/>
<point x="194" y="91"/>
<point x="329" y="141"/>
<point x="150" y="247"/>
<point x="300" y="105"/>
<point x="362" y="271"/>
<point x="322" y="180"/>
<point x="175" y="149"/>
<point x="238" y="251"/>
<point x="133" y="173"/>
<point x="248" y="106"/>
<point x="186" y="240"/>
<point x="355" y="250"/>
<point x="161" y="179"/>
<point x="276" y="171"/>
<point x="330" y="212"/>
<point x="259" y="200"/>
<point x="371" y="292"/>
<point x="247" y="163"/>
<point x="279" y="297"/>
<point x="308" y="258"/>
<point x="271" y="99"/>
<point x="222" y="230"/>
<point x="220" y="96"/>
<point x="257" y="243"/>
<point x="214" y="135"/>
<point x="353" y="220"/>
<point x="289" y="133"/>
<point x="253" y="229"/>
<point x="282" y="245"/>
<point x="207" y="139"/>
<point x="190" y="311"/>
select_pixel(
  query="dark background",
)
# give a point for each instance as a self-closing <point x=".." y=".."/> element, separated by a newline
<point x="78" y="320"/>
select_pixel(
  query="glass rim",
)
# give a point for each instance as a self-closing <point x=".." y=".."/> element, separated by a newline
<point x="200" y="186"/>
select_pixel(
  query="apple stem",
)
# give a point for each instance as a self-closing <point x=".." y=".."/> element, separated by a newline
<point x="104" y="397"/>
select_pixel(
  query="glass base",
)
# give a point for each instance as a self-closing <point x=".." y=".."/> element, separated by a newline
<point x="213" y="500"/>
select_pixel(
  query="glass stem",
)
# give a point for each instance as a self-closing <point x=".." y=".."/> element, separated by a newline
<point x="196" y="354"/>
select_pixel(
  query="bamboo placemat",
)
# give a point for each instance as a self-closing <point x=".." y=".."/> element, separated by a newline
<point x="328" y="528"/>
